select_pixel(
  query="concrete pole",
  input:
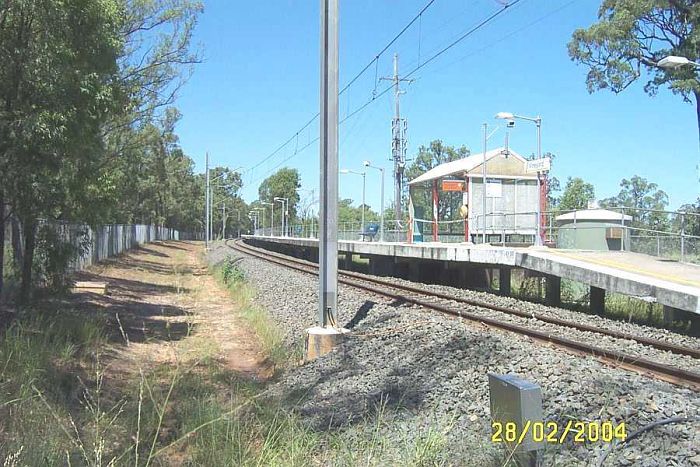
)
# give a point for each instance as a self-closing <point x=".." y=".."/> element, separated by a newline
<point x="538" y="237"/>
<point x="206" y="201"/>
<point x="328" y="206"/>
<point x="483" y="184"/>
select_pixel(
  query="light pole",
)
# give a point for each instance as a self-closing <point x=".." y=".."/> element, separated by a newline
<point x="364" y="178"/>
<point x="272" y="217"/>
<point x="285" y="214"/>
<point x="381" y="195"/>
<point x="538" y="122"/>
<point x="261" y="213"/>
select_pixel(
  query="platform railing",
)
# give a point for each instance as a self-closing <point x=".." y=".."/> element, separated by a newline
<point x="677" y="236"/>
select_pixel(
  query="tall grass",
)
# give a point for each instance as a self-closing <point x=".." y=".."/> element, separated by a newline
<point x="65" y="399"/>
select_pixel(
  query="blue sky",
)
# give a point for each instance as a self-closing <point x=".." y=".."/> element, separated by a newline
<point x="259" y="84"/>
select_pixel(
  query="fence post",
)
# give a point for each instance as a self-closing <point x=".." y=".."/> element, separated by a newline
<point x="682" y="236"/>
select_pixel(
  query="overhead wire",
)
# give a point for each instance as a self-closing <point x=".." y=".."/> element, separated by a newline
<point x="347" y="86"/>
<point x="374" y="97"/>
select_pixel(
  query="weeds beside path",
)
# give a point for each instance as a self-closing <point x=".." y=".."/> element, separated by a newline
<point x="153" y="373"/>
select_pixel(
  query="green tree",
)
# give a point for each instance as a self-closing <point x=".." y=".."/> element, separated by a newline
<point x="631" y="36"/>
<point x="690" y="221"/>
<point x="430" y="156"/>
<point x="59" y="66"/>
<point x="643" y="198"/>
<point x="577" y="194"/>
<point x="284" y="183"/>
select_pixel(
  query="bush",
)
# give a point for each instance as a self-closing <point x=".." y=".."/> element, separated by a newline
<point x="52" y="257"/>
<point x="231" y="273"/>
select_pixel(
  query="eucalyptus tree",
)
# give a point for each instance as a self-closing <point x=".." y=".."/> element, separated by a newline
<point x="59" y="67"/>
<point x="629" y="40"/>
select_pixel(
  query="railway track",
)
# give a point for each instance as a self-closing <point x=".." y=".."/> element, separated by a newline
<point x="453" y="306"/>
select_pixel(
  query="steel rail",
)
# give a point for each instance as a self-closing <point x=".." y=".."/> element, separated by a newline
<point x="672" y="374"/>
<point x="660" y="345"/>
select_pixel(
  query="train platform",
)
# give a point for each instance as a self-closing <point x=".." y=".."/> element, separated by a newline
<point x="670" y="283"/>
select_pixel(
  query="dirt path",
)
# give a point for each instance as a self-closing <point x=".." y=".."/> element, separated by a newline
<point x="166" y="306"/>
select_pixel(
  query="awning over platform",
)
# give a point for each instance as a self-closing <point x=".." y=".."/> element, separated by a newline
<point x="462" y="166"/>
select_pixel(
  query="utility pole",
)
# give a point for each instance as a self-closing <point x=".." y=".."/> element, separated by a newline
<point x="223" y="221"/>
<point x="328" y="206"/>
<point x="398" y="138"/>
<point x="206" y="202"/>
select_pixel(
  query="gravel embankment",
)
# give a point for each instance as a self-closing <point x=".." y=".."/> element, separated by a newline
<point x="426" y="370"/>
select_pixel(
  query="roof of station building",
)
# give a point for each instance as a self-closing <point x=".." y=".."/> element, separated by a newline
<point x="462" y="166"/>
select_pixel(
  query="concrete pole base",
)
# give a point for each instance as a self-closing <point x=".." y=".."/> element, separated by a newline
<point x="320" y="341"/>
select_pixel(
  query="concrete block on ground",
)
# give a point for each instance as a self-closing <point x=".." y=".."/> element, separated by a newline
<point x="99" y="288"/>
<point x="321" y="340"/>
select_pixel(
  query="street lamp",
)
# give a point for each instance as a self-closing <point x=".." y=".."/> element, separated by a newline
<point x="672" y="62"/>
<point x="538" y="122"/>
<point x="364" y="178"/>
<point x="285" y="214"/>
<point x="261" y="213"/>
<point x="381" y="225"/>
<point x="272" y="217"/>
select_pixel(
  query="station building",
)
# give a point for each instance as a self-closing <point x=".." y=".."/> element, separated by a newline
<point x="511" y="197"/>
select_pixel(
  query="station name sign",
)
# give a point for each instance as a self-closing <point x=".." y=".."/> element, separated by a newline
<point x="538" y="165"/>
<point x="453" y="185"/>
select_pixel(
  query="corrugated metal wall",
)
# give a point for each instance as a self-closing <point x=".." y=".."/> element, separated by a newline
<point x="106" y="240"/>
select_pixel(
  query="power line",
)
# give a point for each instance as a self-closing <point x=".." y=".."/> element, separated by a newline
<point x="468" y="33"/>
<point x="350" y="83"/>
<point x="465" y="35"/>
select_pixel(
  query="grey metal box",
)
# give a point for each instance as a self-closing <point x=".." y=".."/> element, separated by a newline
<point x="517" y="400"/>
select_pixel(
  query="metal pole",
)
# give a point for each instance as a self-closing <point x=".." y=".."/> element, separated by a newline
<point x="364" y="177"/>
<point x="328" y="206"/>
<point x="381" y="219"/>
<point x="483" y="183"/>
<point x="682" y="237"/>
<point x="538" y="237"/>
<point x="286" y="217"/>
<point x="223" y="221"/>
<point x="206" y="201"/>
<point x="397" y="140"/>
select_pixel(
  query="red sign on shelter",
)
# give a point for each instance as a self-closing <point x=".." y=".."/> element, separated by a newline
<point x="453" y="185"/>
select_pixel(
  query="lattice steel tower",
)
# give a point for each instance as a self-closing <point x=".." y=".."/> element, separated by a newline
<point x="398" y="138"/>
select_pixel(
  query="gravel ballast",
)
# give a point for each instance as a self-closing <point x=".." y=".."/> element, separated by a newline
<point x="425" y="371"/>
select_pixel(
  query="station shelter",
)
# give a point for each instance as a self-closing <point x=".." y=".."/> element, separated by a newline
<point x="511" y="190"/>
